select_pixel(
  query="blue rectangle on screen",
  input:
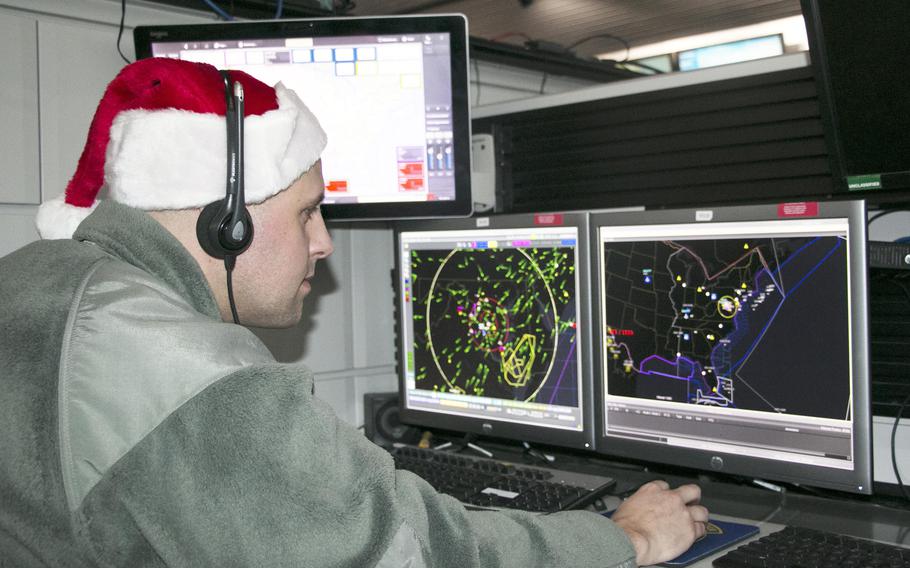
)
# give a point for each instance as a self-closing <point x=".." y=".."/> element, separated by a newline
<point x="569" y="242"/>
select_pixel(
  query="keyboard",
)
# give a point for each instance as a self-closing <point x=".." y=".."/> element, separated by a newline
<point x="491" y="483"/>
<point x="795" y="546"/>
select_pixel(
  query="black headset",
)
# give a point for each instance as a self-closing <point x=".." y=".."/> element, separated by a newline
<point x="224" y="228"/>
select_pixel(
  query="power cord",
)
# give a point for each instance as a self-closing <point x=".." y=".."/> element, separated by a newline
<point x="120" y="31"/>
<point x="600" y="36"/>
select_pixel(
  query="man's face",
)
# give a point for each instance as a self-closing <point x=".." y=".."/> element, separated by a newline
<point x="272" y="277"/>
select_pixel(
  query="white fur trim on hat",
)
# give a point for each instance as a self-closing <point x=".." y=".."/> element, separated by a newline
<point x="58" y="220"/>
<point x="173" y="159"/>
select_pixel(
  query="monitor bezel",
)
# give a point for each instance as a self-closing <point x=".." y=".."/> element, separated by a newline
<point x="454" y="24"/>
<point x="859" y="480"/>
<point x="583" y="439"/>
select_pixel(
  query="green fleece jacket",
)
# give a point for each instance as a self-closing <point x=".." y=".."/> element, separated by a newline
<point x="138" y="429"/>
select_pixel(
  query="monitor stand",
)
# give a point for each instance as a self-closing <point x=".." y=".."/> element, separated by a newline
<point x="466" y="442"/>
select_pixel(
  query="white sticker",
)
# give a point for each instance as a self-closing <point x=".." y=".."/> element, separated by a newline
<point x="500" y="492"/>
<point x="705" y="215"/>
<point x="483" y="221"/>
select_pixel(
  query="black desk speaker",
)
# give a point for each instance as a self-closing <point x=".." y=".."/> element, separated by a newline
<point x="381" y="422"/>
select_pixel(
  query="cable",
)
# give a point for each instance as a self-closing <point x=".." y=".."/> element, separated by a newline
<point x="881" y="214"/>
<point x="229" y="261"/>
<point x="279" y="9"/>
<point x="120" y="32"/>
<point x="597" y="36"/>
<point x="897" y="420"/>
<point x="543" y="82"/>
<point x="221" y="13"/>
<point x="501" y="37"/>
<point x="897" y="473"/>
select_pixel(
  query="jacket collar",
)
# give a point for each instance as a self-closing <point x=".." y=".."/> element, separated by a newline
<point x="134" y="237"/>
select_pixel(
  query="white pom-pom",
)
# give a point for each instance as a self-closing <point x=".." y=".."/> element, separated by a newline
<point x="57" y="219"/>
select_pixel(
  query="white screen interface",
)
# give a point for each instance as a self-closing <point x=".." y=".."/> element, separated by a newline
<point x="385" y="102"/>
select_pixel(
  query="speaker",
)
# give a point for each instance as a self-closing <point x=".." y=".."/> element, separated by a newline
<point x="381" y="423"/>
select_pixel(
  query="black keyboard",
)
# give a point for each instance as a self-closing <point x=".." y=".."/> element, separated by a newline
<point x="497" y="484"/>
<point x="795" y="546"/>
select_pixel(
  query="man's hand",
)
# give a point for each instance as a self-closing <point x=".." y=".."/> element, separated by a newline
<point x="662" y="523"/>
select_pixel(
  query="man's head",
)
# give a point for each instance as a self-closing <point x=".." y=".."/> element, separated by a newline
<point x="157" y="143"/>
<point x="273" y="276"/>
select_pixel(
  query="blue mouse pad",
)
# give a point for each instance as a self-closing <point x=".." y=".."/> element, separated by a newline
<point x="720" y="535"/>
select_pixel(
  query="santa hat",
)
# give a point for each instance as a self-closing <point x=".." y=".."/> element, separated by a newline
<point x="158" y="141"/>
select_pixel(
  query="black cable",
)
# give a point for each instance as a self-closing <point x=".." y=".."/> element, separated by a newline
<point x="229" y="261"/>
<point x="120" y="32"/>
<point x="881" y="214"/>
<point x="608" y="36"/>
<point x="897" y="420"/>
<point x="543" y="82"/>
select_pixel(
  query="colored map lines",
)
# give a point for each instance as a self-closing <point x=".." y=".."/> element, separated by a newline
<point x="703" y="321"/>
<point x="496" y="322"/>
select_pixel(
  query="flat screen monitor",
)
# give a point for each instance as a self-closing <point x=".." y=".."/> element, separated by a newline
<point x="391" y="93"/>
<point x="735" y="339"/>
<point x="859" y="56"/>
<point x="493" y="320"/>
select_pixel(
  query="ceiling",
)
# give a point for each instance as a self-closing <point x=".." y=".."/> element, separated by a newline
<point x="563" y="22"/>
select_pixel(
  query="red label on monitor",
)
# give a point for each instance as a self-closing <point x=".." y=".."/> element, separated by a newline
<point x="548" y="218"/>
<point x="798" y="209"/>
<point x="336" y="186"/>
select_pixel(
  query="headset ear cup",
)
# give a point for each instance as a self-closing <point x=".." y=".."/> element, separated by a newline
<point x="234" y="245"/>
<point x="207" y="228"/>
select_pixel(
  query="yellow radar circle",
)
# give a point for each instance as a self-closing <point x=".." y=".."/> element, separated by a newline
<point x="727" y="306"/>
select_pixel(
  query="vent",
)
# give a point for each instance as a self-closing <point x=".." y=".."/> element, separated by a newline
<point x="889" y="339"/>
<point x="756" y="138"/>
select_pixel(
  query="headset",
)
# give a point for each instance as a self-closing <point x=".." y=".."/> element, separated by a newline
<point x="224" y="228"/>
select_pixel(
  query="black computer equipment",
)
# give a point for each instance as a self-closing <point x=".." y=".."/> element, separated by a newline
<point x="493" y="320"/>
<point x="797" y="546"/>
<point x="391" y="93"/>
<point x="859" y="58"/>
<point x="490" y="483"/>
<point x="734" y="339"/>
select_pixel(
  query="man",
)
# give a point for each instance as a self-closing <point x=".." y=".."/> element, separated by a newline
<point x="138" y="427"/>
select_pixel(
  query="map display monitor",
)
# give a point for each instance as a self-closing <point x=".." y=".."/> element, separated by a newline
<point x="493" y="322"/>
<point x="391" y="94"/>
<point x="735" y="338"/>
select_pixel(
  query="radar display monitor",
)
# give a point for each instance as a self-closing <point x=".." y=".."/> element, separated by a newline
<point x="391" y="93"/>
<point x="493" y="327"/>
<point x="735" y="339"/>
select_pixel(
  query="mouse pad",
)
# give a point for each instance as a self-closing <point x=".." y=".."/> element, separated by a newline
<point x="720" y="535"/>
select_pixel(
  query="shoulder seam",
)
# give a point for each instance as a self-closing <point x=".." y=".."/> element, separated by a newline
<point x="66" y="455"/>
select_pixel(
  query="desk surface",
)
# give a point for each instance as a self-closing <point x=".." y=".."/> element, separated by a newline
<point x="855" y="516"/>
<point x="874" y="518"/>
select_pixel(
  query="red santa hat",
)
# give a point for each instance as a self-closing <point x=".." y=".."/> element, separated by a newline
<point x="158" y="141"/>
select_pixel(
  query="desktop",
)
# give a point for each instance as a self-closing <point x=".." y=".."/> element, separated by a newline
<point x="493" y="320"/>
<point x="391" y="93"/>
<point x="734" y="339"/>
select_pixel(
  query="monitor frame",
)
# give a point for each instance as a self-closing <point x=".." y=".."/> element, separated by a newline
<point x="858" y="480"/>
<point x="583" y="439"/>
<point x="454" y="24"/>
<point x="847" y="181"/>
